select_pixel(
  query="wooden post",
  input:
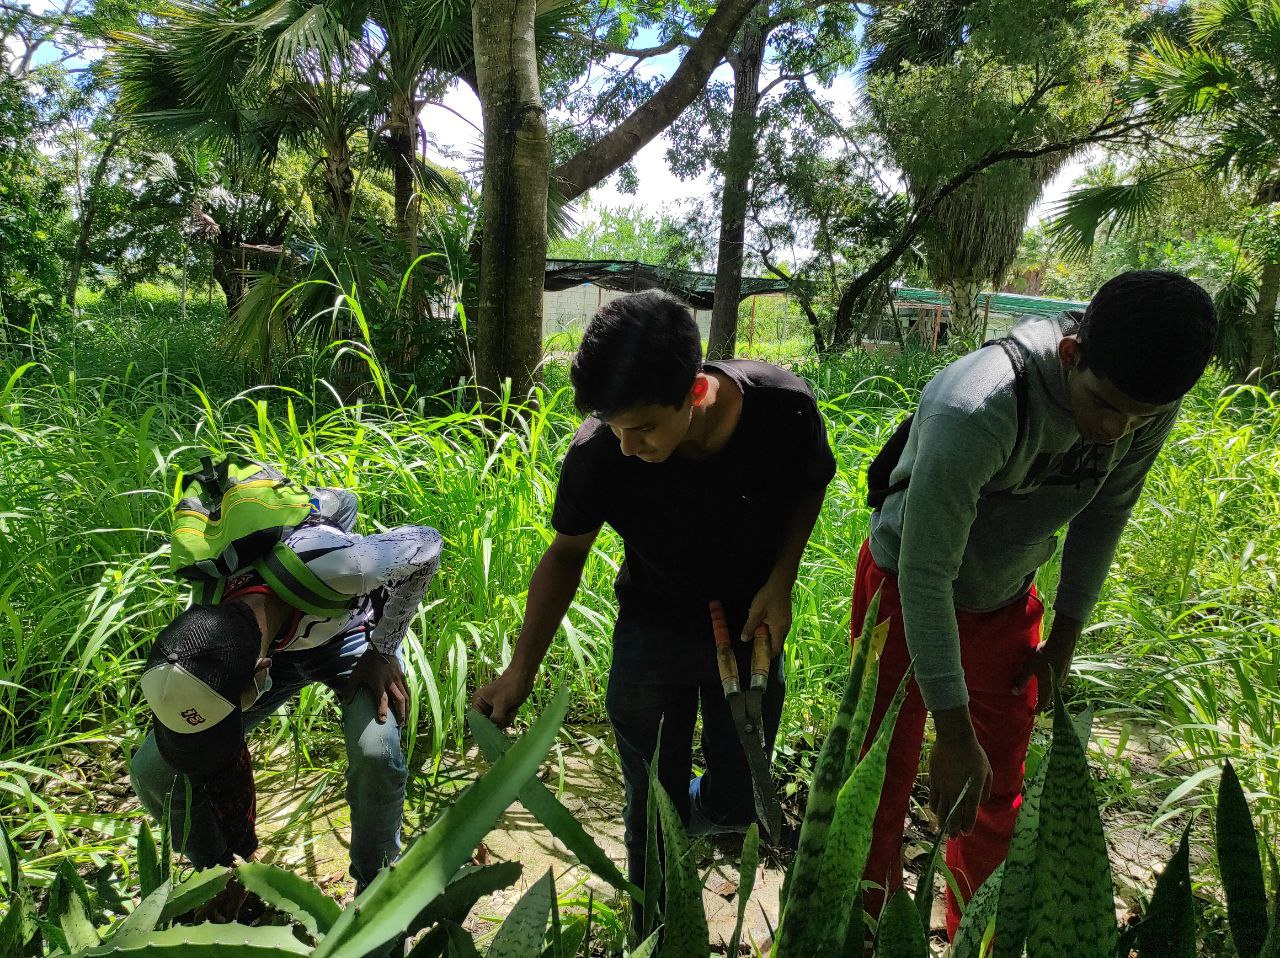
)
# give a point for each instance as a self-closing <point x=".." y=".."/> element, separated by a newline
<point x="751" y="328"/>
<point x="986" y="314"/>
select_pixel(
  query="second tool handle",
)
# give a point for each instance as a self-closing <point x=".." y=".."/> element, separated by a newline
<point x="726" y="658"/>
<point x="761" y="657"/>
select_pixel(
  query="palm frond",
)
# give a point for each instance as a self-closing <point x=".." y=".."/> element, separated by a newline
<point x="1078" y="216"/>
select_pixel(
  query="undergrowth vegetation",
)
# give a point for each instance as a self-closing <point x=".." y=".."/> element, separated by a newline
<point x="96" y="421"/>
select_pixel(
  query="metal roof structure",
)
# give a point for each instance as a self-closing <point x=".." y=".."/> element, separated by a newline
<point x="695" y="288"/>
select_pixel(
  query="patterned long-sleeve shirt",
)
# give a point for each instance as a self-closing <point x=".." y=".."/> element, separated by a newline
<point x="386" y="574"/>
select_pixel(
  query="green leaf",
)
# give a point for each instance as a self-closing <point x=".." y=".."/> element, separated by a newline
<point x="142" y="920"/>
<point x="900" y="934"/>
<point x="978" y="918"/>
<point x="1240" y="866"/>
<point x="67" y="892"/>
<point x="1168" y="929"/>
<point x="208" y="941"/>
<point x="1072" y="908"/>
<point x="546" y="808"/>
<point x="684" y="931"/>
<point x="13" y="929"/>
<point x="647" y="947"/>
<point x="461" y="944"/>
<point x="76" y="925"/>
<point x="1014" y="911"/>
<point x="461" y="894"/>
<point x="148" y="860"/>
<point x="202" y="887"/>
<point x="827" y="912"/>
<point x="9" y="861"/>
<point x="293" y="894"/>
<point x="652" y="852"/>
<point x="108" y="898"/>
<point x="924" y="887"/>
<point x="402" y="890"/>
<point x="829" y="775"/>
<point x="524" y="929"/>
<point x="746" y="882"/>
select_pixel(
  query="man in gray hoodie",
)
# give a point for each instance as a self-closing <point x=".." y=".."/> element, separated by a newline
<point x="1008" y="446"/>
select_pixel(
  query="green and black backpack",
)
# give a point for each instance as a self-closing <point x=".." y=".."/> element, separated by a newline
<point x="234" y="515"/>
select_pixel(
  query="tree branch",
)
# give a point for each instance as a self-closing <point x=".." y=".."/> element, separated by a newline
<point x="604" y="157"/>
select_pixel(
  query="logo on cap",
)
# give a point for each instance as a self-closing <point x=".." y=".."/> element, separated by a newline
<point x="193" y="717"/>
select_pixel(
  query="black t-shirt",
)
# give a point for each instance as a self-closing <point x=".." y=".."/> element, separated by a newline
<point x="696" y="530"/>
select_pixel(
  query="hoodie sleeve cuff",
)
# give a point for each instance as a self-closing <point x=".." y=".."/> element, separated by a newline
<point x="943" y="692"/>
<point x="1074" y="603"/>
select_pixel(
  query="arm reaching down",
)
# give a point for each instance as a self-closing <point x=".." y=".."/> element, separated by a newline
<point x="551" y="590"/>
<point x="399" y="564"/>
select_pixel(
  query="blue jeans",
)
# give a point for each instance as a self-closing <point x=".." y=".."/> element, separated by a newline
<point x="375" y="764"/>
<point x="659" y="677"/>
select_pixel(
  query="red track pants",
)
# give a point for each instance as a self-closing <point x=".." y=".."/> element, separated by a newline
<point x="993" y="647"/>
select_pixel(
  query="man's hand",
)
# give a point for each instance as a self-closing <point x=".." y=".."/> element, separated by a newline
<point x="770" y="607"/>
<point x="1051" y="661"/>
<point x="957" y="761"/>
<point x="382" y="676"/>
<point x="502" y="698"/>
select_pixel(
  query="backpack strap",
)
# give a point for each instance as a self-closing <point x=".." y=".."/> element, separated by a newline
<point x="207" y="591"/>
<point x="887" y="459"/>
<point x="290" y="579"/>
<point x="1018" y="360"/>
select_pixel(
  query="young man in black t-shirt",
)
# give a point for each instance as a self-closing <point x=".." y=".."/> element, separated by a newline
<point x="713" y="474"/>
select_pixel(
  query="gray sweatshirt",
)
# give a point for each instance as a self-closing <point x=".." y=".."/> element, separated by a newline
<point x="957" y="540"/>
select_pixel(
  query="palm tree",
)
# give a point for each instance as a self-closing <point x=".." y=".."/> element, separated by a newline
<point x="1212" y="81"/>
<point x="974" y="234"/>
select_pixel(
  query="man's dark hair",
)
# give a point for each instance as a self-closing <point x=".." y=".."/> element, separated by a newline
<point x="643" y="349"/>
<point x="1150" y="333"/>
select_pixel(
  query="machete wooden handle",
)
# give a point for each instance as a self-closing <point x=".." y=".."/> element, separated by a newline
<point x="726" y="661"/>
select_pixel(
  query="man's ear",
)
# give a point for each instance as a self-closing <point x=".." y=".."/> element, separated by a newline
<point x="1069" y="352"/>
<point x="698" y="391"/>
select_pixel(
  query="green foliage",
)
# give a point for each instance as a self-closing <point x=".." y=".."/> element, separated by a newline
<point x="628" y="232"/>
<point x="32" y="211"/>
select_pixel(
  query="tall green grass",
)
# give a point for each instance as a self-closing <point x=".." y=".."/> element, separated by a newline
<point x="89" y="447"/>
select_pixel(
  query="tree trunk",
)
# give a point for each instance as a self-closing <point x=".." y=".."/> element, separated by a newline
<point x="401" y="129"/>
<point x="966" y="318"/>
<point x="604" y="157"/>
<point x="517" y="160"/>
<point x="1262" y="339"/>
<point x="89" y="210"/>
<point x="229" y="277"/>
<point x="739" y="164"/>
<point x="340" y="181"/>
